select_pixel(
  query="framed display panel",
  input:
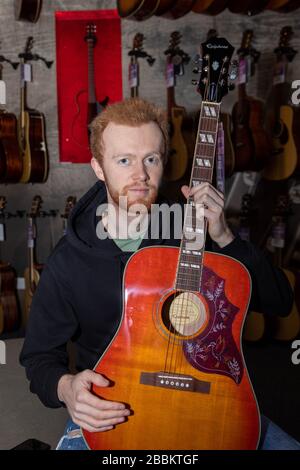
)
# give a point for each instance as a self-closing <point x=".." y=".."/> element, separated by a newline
<point x="76" y="81"/>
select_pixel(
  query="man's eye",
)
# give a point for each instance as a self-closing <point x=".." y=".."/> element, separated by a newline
<point x="152" y="160"/>
<point x="123" y="161"/>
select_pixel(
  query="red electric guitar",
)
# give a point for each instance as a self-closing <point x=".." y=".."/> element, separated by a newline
<point x="176" y="358"/>
<point x="87" y="105"/>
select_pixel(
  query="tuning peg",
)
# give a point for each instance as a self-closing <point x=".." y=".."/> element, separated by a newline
<point x="231" y="86"/>
<point x="196" y="70"/>
<point x="194" y="82"/>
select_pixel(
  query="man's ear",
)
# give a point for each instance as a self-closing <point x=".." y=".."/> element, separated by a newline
<point x="97" y="169"/>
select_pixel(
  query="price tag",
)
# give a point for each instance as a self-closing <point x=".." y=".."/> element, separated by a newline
<point x="2" y="92"/>
<point x="133" y="75"/>
<point x="170" y="80"/>
<point x="242" y="71"/>
<point x="26" y="74"/>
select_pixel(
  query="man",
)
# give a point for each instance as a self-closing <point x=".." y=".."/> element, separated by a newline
<point x="79" y="296"/>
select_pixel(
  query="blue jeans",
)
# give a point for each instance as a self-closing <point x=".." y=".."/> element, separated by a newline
<point x="272" y="438"/>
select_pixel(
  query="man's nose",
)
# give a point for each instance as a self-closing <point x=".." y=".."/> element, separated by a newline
<point x="140" y="172"/>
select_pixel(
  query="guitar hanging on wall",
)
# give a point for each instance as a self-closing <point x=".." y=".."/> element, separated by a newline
<point x="31" y="126"/>
<point x="27" y="10"/>
<point x="178" y="151"/>
<point x="280" y="115"/>
<point x="11" y="160"/>
<point x="9" y="308"/>
<point x="34" y="269"/>
<point x="251" y="143"/>
<point x="176" y="357"/>
<point x="87" y="105"/>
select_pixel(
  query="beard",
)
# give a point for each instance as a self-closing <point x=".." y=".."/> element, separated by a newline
<point x="125" y="199"/>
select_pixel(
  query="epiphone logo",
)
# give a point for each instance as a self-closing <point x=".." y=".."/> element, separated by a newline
<point x="216" y="46"/>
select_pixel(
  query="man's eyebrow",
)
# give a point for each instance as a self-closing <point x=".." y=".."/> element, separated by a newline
<point x="123" y="155"/>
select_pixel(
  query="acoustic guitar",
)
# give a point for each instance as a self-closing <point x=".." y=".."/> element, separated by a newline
<point x="87" y="105"/>
<point x="177" y="9"/>
<point x="209" y="7"/>
<point x="283" y="328"/>
<point x="247" y="7"/>
<point x="178" y="151"/>
<point x="9" y="308"/>
<point x="275" y="5"/>
<point x="176" y="357"/>
<point x="31" y="131"/>
<point x="11" y="161"/>
<point x="34" y="269"/>
<point x="279" y="115"/>
<point x="27" y="10"/>
<point x="290" y="6"/>
<point x="251" y="142"/>
<point x="254" y="327"/>
<point x="138" y="10"/>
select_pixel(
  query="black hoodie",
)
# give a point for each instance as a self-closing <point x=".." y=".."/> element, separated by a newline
<point x="79" y="296"/>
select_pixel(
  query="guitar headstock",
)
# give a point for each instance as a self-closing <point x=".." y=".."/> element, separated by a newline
<point x="29" y="45"/>
<point x="138" y="51"/>
<point x="91" y="30"/>
<point x="284" y="49"/>
<point x="70" y="203"/>
<point x="246" y="48"/>
<point x="138" y="41"/>
<point x="175" y="54"/>
<point x="35" y="207"/>
<point x="216" y="55"/>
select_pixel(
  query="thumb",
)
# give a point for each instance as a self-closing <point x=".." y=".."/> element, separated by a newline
<point x="185" y="190"/>
<point x="96" y="379"/>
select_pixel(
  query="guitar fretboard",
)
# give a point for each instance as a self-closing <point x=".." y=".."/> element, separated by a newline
<point x="91" y="72"/>
<point x="189" y="269"/>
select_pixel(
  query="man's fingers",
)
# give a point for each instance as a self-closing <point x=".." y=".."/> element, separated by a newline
<point x="89" y="428"/>
<point x="85" y="396"/>
<point x="100" y="414"/>
<point x="97" y="424"/>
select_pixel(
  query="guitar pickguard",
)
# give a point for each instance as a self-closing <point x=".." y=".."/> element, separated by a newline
<point x="215" y="351"/>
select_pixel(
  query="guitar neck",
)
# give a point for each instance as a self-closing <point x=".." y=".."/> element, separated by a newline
<point x="91" y="73"/>
<point x="31" y="246"/>
<point x="170" y="99"/>
<point x="190" y="263"/>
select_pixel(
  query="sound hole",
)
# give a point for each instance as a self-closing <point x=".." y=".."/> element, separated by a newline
<point x="185" y="314"/>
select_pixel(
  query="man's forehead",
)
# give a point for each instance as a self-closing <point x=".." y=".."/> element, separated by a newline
<point x="117" y="134"/>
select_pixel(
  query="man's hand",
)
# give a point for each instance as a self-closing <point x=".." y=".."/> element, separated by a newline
<point x="87" y="410"/>
<point x="210" y="203"/>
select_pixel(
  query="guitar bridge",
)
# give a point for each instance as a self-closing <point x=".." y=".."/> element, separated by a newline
<point x="184" y="383"/>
